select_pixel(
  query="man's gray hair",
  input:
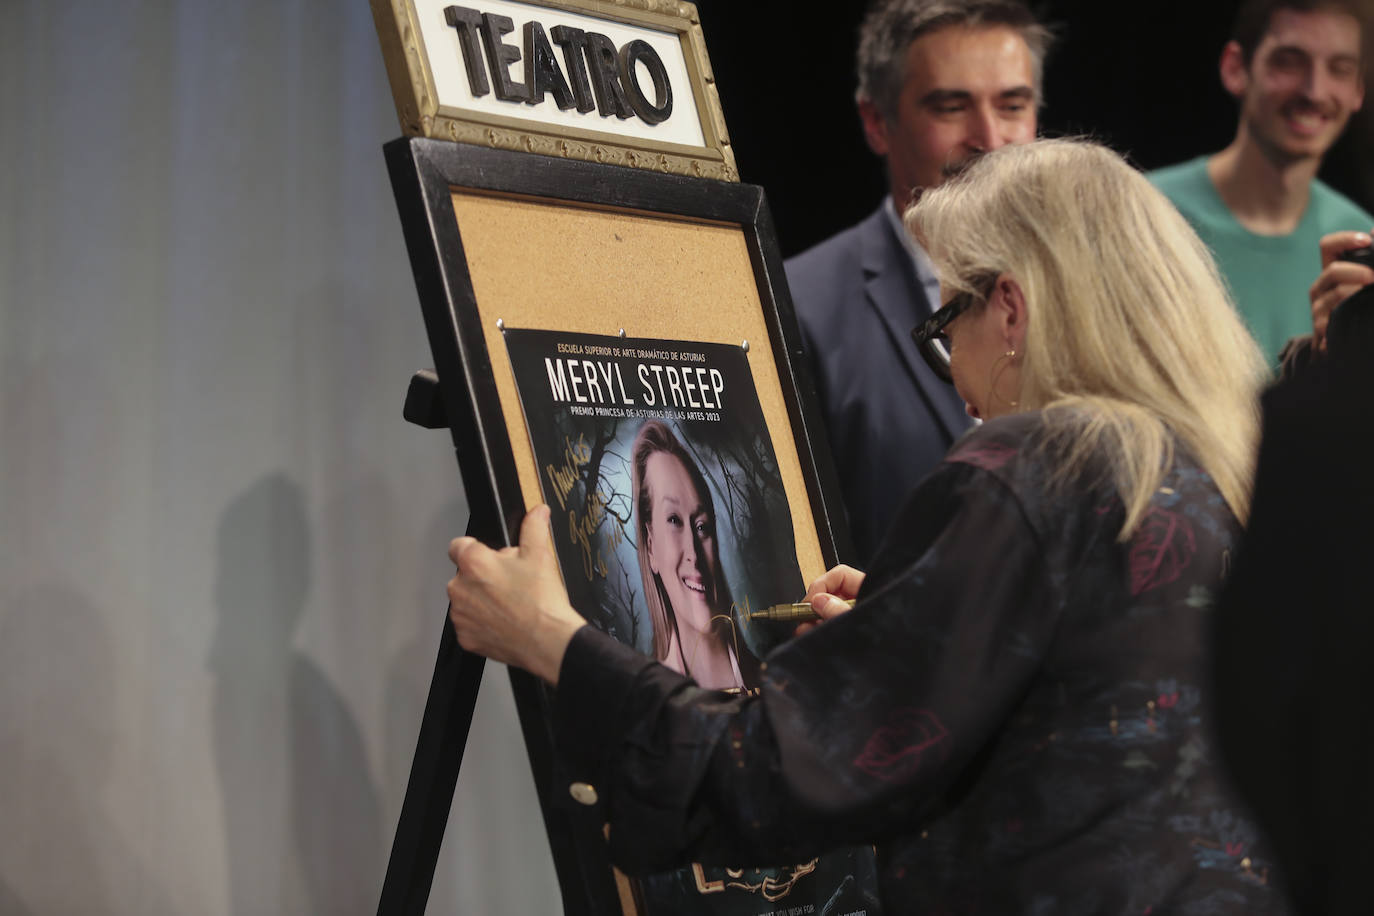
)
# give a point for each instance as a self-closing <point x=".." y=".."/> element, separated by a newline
<point x="890" y="26"/>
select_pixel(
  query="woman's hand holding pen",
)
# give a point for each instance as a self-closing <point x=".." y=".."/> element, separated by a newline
<point x="832" y="594"/>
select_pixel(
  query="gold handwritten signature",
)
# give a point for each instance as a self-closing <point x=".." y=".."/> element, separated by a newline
<point x="583" y="528"/>
<point x="564" y="478"/>
<point x="583" y="524"/>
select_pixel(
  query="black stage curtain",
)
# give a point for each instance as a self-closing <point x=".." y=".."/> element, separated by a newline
<point x="1141" y="78"/>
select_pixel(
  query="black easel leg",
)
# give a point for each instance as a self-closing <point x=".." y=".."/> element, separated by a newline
<point x="433" y="774"/>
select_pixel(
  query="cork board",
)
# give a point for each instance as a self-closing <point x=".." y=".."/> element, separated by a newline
<point x="601" y="270"/>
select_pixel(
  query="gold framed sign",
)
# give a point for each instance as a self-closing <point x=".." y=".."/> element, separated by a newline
<point x="622" y="82"/>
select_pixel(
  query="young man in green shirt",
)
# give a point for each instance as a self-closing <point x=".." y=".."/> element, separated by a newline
<point x="1296" y="68"/>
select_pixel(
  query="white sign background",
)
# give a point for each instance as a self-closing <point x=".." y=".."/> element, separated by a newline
<point x="445" y="52"/>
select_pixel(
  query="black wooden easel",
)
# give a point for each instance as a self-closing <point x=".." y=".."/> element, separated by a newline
<point x="443" y="737"/>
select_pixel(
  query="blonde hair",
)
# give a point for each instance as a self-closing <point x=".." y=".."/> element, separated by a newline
<point x="1131" y="340"/>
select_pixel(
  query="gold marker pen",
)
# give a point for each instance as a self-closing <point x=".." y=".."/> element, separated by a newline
<point x="796" y="612"/>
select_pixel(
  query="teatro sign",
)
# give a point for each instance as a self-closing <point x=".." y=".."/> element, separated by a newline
<point x="625" y="82"/>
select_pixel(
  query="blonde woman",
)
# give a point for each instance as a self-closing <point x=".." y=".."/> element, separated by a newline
<point x="679" y="563"/>
<point x="1013" y="711"/>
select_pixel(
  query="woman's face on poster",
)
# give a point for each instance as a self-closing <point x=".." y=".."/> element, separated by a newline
<point x="682" y="540"/>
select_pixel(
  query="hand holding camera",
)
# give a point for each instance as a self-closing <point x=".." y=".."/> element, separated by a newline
<point x="1347" y="267"/>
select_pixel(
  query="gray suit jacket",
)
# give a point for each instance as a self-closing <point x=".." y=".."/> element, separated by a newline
<point x="890" y="419"/>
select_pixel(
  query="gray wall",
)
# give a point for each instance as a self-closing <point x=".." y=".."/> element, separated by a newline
<point x="222" y="551"/>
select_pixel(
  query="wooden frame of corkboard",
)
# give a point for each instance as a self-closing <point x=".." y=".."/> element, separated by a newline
<point x="498" y="238"/>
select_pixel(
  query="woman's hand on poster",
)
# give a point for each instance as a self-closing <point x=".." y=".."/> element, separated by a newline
<point x="830" y="595"/>
<point x="510" y="604"/>
<point x="1338" y="281"/>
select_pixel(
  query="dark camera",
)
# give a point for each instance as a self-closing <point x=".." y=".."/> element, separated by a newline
<point x="1363" y="256"/>
<point x="1350" y="333"/>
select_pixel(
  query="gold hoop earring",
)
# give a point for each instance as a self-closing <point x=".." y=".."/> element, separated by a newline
<point x="997" y="369"/>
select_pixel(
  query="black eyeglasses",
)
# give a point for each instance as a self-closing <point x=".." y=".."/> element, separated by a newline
<point x="930" y="337"/>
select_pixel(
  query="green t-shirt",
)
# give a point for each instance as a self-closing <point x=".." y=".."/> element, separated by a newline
<point x="1269" y="275"/>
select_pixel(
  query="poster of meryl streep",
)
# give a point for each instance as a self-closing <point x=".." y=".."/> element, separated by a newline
<point x="671" y="524"/>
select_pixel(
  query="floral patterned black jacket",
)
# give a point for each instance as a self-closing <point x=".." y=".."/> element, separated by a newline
<point x="1013" y="712"/>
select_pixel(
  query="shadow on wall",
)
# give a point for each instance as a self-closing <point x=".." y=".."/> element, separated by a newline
<point x="9" y="903"/>
<point x="57" y="736"/>
<point x="301" y="809"/>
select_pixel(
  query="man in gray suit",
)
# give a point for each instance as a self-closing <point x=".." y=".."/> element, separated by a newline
<point x="940" y="82"/>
